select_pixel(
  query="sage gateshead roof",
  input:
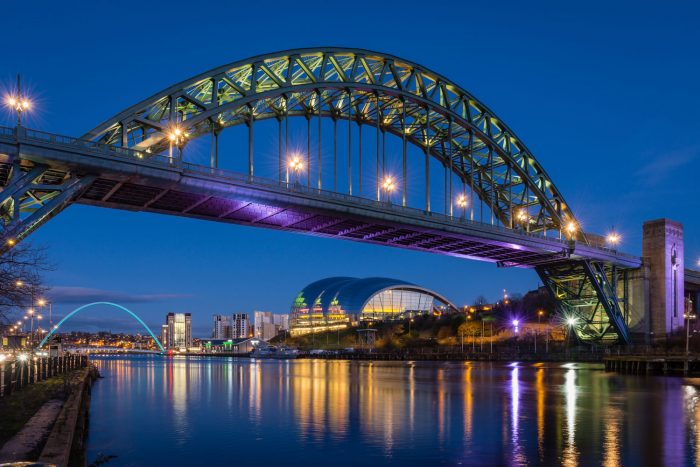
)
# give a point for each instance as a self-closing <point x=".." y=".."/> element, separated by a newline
<point x="339" y="301"/>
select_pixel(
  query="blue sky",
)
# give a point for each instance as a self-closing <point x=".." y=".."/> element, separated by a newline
<point x="604" y="94"/>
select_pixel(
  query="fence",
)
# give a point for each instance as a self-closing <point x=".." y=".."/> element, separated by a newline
<point x="15" y="375"/>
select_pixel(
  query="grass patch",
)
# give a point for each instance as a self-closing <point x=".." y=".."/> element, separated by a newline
<point x="21" y="405"/>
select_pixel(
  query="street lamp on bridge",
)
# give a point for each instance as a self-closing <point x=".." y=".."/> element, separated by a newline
<point x="18" y="103"/>
<point x="176" y="137"/>
<point x="613" y="239"/>
<point x="462" y="202"/>
<point x="296" y="165"/>
<point x="388" y="187"/>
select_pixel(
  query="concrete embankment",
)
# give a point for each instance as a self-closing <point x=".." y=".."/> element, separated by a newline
<point x="66" y="441"/>
<point x="55" y="434"/>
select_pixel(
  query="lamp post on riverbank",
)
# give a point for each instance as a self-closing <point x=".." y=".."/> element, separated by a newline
<point x="688" y="315"/>
<point x="539" y="322"/>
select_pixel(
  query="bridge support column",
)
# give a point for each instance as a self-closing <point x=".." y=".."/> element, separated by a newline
<point x="584" y="293"/>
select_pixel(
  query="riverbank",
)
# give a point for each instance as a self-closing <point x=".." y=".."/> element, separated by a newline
<point x="45" y="421"/>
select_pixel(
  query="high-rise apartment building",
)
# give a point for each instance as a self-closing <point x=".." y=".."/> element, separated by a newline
<point x="268" y="324"/>
<point x="164" y="335"/>
<point x="234" y="326"/>
<point x="179" y="333"/>
<point x="222" y="327"/>
<point x="240" y="325"/>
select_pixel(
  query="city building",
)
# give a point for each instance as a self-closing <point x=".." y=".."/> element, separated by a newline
<point x="240" y="326"/>
<point x="222" y="327"/>
<point x="338" y="302"/>
<point x="179" y="332"/>
<point x="164" y="335"/>
<point x="234" y="326"/>
<point x="267" y="324"/>
<point x="235" y="346"/>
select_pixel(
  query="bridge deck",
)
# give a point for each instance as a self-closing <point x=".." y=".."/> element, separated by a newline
<point x="125" y="179"/>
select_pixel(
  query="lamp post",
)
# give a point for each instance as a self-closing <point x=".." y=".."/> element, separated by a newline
<point x="296" y="165"/>
<point x="688" y="315"/>
<point x="30" y="312"/>
<point x="388" y="187"/>
<point x="613" y="239"/>
<point x="176" y="137"/>
<point x="539" y="322"/>
<point x="462" y="203"/>
<point x="18" y="103"/>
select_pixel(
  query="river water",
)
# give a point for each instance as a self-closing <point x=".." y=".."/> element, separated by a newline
<point x="208" y="411"/>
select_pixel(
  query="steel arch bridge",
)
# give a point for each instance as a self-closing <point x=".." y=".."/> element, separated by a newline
<point x="89" y="305"/>
<point x="137" y="160"/>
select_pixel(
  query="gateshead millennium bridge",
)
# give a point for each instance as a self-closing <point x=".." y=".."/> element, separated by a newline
<point x="424" y="166"/>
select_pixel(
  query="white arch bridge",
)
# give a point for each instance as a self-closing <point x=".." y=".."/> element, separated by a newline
<point x="381" y="150"/>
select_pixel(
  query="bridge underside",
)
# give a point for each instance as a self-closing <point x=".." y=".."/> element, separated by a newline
<point x="314" y="221"/>
<point x="45" y="179"/>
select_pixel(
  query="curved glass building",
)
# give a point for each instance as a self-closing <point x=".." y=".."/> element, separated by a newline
<point x="337" y="302"/>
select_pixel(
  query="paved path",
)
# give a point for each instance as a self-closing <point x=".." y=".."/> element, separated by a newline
<point x="24" y="445"/>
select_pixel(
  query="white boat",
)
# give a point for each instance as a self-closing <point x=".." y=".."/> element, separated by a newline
<point x="275" y="352"/>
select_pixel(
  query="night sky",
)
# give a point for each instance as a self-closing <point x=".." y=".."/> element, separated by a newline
<point x="605" y="95"/>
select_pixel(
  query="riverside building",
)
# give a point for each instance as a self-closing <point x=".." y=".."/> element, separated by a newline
<point x="339" y="302"/>
<point x="179" y="332"/>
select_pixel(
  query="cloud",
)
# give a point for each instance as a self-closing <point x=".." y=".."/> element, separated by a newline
<point x="662" y="166"/>
<point x="82" y="295"/>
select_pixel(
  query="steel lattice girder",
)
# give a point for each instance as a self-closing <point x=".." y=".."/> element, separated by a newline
<point x="583" y="290"/>
<point x="371" y="88"/>
<point x="32" y="196"/>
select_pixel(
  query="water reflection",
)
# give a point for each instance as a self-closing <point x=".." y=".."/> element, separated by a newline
<point x="198" y="411"/>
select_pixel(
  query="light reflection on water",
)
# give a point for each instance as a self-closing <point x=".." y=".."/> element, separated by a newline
<point x="159" y="411"/>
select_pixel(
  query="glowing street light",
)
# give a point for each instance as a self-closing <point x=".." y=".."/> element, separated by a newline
<point x="388" y="186"/>
<point x="571" y="321"/>
<point x="522" y="216"/>
<point x="18" y="103"/>
<point x="19" y="283"/>
<point x="516" y="323"/>
<point x="296" y="165"/>
<point x="462" y="202"/>
<point x="570" y="228"/>
<point x="177" y="137"/>
<point x="613" y="239"/>
<point x="11" y="242"/>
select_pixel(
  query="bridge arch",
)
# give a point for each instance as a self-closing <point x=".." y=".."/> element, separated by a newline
<point x="79" y="309"/>
<point x="397" y="96"/>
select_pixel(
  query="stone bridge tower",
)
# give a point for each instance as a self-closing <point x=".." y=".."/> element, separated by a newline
<point x="662" y="250"/>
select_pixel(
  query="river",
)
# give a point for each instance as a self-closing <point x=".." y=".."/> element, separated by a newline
<point x="150" y="410"/>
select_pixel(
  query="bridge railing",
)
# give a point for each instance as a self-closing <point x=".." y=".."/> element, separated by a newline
<point x="43" y="136"/>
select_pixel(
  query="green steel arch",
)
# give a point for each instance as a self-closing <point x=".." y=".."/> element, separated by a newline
<point x="69" y="315"/>
<point x="393" y="94"/>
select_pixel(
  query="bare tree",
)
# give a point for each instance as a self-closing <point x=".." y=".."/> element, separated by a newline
<point x="20" y="277"/>
<point x="480" y="300"/>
